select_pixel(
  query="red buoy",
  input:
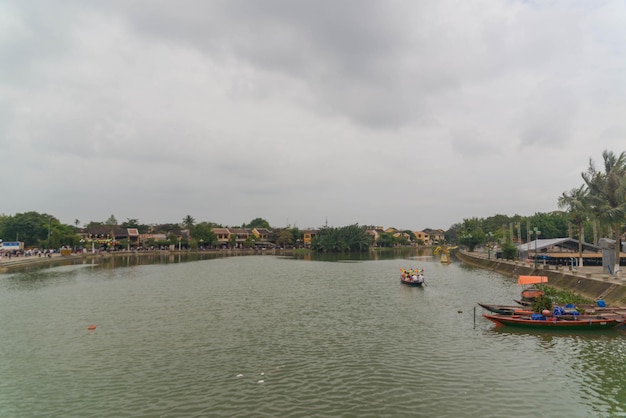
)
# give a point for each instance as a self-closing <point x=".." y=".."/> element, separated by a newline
<point x="91" y="327"/>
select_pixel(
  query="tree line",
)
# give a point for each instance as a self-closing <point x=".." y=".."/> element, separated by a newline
<point x="596" y="208"/>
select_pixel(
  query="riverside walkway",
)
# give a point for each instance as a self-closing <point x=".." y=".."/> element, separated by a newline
<point x="589" y="281"/>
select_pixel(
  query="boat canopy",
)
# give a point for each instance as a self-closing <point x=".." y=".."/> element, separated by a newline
<point x="532" y="279"/>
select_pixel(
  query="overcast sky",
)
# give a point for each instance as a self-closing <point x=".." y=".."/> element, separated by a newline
<point x="411" y="114"/>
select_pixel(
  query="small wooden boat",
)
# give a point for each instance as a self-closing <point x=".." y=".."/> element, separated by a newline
<point x="557" y="322"/>
<point x="563" y="312"/>
<point x="506" y="309"/>
<point x="530" y="294"/>
<point x="586" y="308"/>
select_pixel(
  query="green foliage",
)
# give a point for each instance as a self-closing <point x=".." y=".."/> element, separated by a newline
<point x="563" y="297"/>
<point x="386" y="239"/>
<point x="284" y="238"/>
<point x="249" y="242"/>
<point x="134" y="223"/>
<point x="203" y="233"/>
<point x="541" y="303"/>
<point x="509" y="251"/>
<point x="471" y="233"/>
<point x="32" y="228"/>
<point x="188" y="222"/>
<point x="607" y="193"/>
<point x="258" y="223"/>
<point x="352" y="238"/>
<point x="300" y="252"/>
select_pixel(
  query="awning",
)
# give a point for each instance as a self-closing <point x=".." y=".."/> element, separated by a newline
<point x="532" y="279"/>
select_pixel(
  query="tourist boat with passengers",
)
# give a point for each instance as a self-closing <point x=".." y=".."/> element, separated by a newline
<point x="412" y="277"/>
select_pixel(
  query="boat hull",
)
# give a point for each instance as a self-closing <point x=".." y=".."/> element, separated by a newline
<point x="506" y="310"/>
<point x="411" y="284"/>
<point x="556" y="323"/>
<point x="531" y="294"/>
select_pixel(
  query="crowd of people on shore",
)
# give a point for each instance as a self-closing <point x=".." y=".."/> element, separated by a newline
<point x="8" y="255"/>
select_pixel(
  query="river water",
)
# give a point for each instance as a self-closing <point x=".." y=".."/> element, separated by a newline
<point x="272" y="336"/>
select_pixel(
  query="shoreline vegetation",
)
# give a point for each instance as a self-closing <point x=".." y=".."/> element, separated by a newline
<point x="57" y="259"/>
<point x="17" y="263"/>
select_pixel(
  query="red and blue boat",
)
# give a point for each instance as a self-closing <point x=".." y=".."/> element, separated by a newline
<point x="559" y="322"/>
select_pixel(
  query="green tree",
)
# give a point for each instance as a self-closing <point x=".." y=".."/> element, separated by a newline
<point x="258" y="223"/>
<point x="509" y="251"/>
<point x="284" y="238"/>
<point x="471" y="233"/>
<point x="32" y="228"/>
<point x="249" y="242"/>
<point x="386" y="239"/>
<point x="111" y="221"/>
<point x="352" y="238"/>
<point x="203" y="233"/>
<point x="607" y="194"/>
<point x="94" y="224"/>
<point x="576" y="201"/>
<point x="189" y="222"/>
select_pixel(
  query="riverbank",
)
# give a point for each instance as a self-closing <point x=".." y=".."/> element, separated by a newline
<point x="18" y="263"/>
<point x="589" y="282"/>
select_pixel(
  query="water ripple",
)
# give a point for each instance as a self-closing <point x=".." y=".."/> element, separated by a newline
<point x="268" y="337"/>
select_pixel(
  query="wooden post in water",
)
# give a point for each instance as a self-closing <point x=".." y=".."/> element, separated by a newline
<point x="474" y="316"/>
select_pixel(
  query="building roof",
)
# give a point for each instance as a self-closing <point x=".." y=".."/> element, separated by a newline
<point x="569" y="243"/>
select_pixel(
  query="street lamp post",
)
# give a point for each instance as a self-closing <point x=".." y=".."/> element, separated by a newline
<point x="536" y="232"/>
<point x="49" y="221"/>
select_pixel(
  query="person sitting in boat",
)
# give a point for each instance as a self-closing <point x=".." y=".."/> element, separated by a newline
<point x="414" y="278"/>
<point x="420" y="278"/>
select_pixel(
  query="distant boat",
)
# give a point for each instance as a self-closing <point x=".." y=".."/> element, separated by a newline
<point x="445" y="253"/>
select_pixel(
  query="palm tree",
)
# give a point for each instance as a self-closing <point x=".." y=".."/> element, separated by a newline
<point x="607" y="194"/>
<point x="188" y="222"/>
<point x="576" y="201"/>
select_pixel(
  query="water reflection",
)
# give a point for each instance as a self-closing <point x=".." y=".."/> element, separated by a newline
<point x="373" y="255"/>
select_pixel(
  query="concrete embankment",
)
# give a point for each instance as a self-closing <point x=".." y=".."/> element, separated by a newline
<point x="587" y="282"/>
